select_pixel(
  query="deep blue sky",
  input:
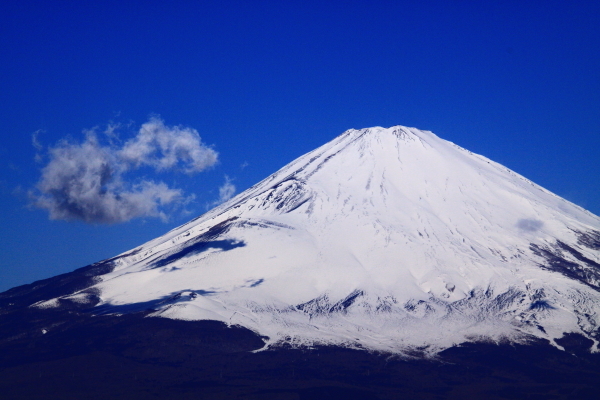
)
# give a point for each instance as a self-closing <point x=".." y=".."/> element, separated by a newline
<point x="263" y="82"/>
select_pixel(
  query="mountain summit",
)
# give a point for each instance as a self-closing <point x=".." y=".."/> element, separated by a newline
<point x="387" y="239"/>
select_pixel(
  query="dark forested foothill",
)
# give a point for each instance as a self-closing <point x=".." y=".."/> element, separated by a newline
<point x="68" y="354"/>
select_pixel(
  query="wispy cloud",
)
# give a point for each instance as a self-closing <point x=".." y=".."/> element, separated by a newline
<point x="35" y="141"/>
<point x="226" y="192"/>
<point x="530" y="225"/>
<point x="86" y="180"/>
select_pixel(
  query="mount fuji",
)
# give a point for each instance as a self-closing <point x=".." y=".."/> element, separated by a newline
<point x="384" y="239"/>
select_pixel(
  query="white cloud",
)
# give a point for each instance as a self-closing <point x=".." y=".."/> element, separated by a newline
<point x="165" y="147"/>
<point x="112" y="132"/>
<point x="226" y="192"/>
<point x="86" y="181"/>
<point x="35" y="141"/>
<point x="530" y="224"/>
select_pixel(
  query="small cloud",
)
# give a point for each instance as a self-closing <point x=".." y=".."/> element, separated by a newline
<point x="529" y="225"/>
<point x="86" y="181"/>
<point x="226" y="192"/>
<point x="244" y="165"/>
<point x="164" y="148"/>
<point x="35" y="141"/>
<point x="112" y="132"/>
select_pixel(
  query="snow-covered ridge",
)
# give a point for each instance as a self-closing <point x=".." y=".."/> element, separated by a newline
<point x="388" y="239"/>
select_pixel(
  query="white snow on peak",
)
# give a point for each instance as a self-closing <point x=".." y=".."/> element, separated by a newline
<point x="388" y="239"/>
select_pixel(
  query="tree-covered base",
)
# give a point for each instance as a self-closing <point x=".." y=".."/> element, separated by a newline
<point x="132" y="357"/>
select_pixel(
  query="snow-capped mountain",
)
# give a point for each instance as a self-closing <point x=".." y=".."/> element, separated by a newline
<point x="386" y="239"/>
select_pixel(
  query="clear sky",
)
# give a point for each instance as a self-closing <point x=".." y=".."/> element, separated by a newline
<point x="261" y="83"/>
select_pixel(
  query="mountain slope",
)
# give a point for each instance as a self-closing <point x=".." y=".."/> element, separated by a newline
<point x="387" y="239"/>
